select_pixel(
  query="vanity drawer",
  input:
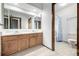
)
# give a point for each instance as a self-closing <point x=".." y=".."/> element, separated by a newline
<point x="32" y="35"/>
<point x="6" y="38"/>
<point x="40" y="34"/>
<point x="24" y="36"/>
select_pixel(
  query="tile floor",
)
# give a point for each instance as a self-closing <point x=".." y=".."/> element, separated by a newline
<point x="62" y="49"/>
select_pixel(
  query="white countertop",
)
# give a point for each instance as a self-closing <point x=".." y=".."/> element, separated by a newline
<point x="19" y="31"/>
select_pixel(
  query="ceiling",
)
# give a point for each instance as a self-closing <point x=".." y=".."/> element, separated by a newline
<point x="31" y="8"/>
<point x="37" y="5"/>
<point x="61" y="6"/>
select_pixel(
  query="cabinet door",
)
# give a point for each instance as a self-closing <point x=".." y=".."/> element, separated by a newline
<point x="32" y="41"/>
<point x="23" y="44"/>
<point x="9" y="47"/>
<point x="39" y="39"/>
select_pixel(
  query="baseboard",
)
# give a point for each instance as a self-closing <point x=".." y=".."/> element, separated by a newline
<point x="47" y="47"/>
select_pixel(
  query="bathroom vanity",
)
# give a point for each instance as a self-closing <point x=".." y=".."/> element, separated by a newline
<point x="16" y="43"/>
<point x="21" y="30"/>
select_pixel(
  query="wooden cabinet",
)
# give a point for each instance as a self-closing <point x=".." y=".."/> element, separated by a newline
<point x="32" y="40"/>
<point x="36" y="39"/>
<point x="23" y="43"/>
<point x="0" y="45"/>
<point x="39" y="39"/>
<point x="15" y="43"/>
<point x="9" y="47"/>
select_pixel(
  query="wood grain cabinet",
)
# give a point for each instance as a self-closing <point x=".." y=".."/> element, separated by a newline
<point x="15" y="43"/>
<point x="23" y="42"/>
<point x="9" y="46"/>
<point x="39" y="39"/>
<point x="36" y="39"/>
<point x="32" y="40"/>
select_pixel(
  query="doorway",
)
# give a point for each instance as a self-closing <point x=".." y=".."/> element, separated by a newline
<point x="61" y="33"/>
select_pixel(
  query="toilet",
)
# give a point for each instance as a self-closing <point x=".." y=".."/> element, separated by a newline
<point x="72" y="42"/>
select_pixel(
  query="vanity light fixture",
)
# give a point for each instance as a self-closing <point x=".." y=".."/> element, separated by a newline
<point x="62" y="4"/>
<point x="15" y="3"/>
<point x="34" y="10"/>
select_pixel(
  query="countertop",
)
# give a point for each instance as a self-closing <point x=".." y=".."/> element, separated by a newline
<point x="18" y="32"/>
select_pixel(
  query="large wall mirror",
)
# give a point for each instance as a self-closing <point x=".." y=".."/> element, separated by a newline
<point x="37" y="24"/>
<point x="12" y="22"/>
<point x="20" y="18"/>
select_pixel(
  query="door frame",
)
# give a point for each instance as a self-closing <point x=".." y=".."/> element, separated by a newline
<point x="77" y="29"/>
<point x="53" y="26"/>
